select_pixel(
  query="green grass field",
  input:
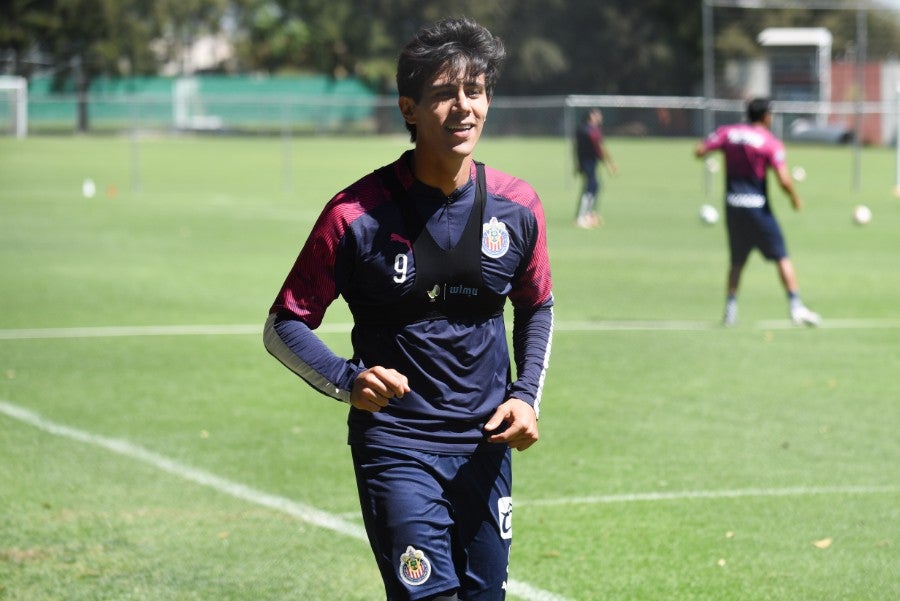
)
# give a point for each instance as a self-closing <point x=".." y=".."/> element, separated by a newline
<point x="150" y="449"/>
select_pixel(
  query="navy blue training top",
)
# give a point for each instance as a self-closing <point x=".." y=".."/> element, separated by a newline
<point x="458" y="367"/>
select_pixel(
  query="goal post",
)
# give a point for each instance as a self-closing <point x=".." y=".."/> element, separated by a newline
<point x="13" y="106"/>
<point x="897" y="144"/>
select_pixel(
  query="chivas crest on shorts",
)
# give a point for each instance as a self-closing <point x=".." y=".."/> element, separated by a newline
<point x="414" y="567"/>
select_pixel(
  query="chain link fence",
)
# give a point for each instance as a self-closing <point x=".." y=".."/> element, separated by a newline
<point x="630" y="116"/>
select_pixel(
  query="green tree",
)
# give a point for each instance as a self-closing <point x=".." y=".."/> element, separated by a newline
<point x="76" y="45"/>
<point x="555" y="46"/>
<point x="18" y="21"/>
<point x="175" y="25"/>
<point x="84" y="39"/>
<point x="341" y="38"/>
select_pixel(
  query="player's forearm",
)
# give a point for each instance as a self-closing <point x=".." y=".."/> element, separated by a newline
<point x="532" y="336"/>
<point x="300" y="350"/>
<point x="787" y="184"/>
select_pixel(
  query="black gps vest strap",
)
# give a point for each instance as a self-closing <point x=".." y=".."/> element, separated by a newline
<point x="448" y="282"/>
<point x="460" y="264"/>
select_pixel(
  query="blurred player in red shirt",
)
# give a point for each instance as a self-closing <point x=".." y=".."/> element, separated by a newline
<point x="751" y="149"/>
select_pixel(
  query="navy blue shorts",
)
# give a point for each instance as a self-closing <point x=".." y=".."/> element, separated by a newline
<point x="438" y="523"/>
<point x="754" y="228"/>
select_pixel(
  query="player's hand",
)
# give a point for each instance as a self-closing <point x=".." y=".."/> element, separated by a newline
<point x="522" y="428"/>
<point x="376" y="386"/>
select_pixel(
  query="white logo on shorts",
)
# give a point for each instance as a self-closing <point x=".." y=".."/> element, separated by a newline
<point x="504" y="516"/>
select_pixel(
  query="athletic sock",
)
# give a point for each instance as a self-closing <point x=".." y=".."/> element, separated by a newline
<point x="731" y="309"/>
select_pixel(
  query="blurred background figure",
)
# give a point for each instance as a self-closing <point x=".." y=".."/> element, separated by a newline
<point x="590" y="150"/>
<point x="750" y="149"/>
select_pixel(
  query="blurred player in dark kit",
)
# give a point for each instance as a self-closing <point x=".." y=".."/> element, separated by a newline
<point x="589" y="151"/>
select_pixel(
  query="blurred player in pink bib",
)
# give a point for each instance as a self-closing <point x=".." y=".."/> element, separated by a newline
<point x="750" y="149"/>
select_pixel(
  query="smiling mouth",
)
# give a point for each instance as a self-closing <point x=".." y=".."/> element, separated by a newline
<point x="459" y="129"/>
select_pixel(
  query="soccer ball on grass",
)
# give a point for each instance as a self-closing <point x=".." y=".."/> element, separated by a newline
<point x="862" y="214"/>
<point x="708" y="214"/>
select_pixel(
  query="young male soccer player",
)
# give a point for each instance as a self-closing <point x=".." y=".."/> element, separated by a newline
<point x="750" y="149"/>
<point x="425" y="251"/>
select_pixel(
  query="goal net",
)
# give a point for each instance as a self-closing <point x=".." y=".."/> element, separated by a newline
<point x="13" y="106"/>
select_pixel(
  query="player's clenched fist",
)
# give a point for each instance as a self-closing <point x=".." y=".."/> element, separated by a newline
<point x="376" y="386"/>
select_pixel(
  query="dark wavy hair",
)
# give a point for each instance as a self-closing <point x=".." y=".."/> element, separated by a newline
<point x="757" y="109"/>
<point x="456" y="44"/>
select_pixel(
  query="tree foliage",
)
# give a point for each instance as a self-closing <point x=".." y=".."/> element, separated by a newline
<point x="79" y="40"/>
<point x="555" y="46"/>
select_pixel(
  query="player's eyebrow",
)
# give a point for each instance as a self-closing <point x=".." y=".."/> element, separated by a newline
<point x="444" y="85"/>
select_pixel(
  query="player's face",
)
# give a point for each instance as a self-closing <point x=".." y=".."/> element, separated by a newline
<point x="450" y="115"/>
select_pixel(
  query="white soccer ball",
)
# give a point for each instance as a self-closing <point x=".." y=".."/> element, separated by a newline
<point x="708" y="214"/>
<point x="712" y="165"/>
<point x="799" y="173"/>
<point x="88" y="188"/>
<point x="862" y="214"/>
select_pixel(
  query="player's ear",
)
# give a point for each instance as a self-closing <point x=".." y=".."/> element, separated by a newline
<point x="407" y="109"/>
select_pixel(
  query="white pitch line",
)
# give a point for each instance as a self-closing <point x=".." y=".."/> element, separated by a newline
<point x="329" y="328"/>
<point x="300" y="511"/>
<point x="119" y="331"/>
<point x="127" y="331"/>
<point x="634" y="325"/>
<point x="700" y="325"/>
<point x="834" y="324"/>
<point x="796" y="491"/>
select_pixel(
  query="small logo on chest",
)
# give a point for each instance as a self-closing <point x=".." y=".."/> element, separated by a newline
<point x="401" y="240"/>
<point x="494" y="238"/>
